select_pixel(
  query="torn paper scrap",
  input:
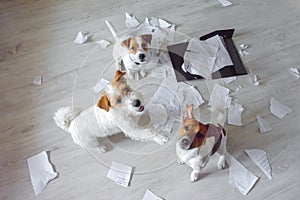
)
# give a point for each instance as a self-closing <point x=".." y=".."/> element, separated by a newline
<point x="295" y="72"/>
<point x="38" y="80"/>
<point x="263" y="125"/>
<point x="259" y="157"/>
<point x="120" y="174"/>
<point x="239" y="176"/>
<point x="80" y="38"/>
<point x="235" y="114"/>
<point x="188" y="95"/>
<point x="254" y="79"/>
<point x="171" y="34"/>
<point x="225" y="3"/>
<point x="103" y="43"/>
<point x="151" y="196"/>
<point x="229" y="79"/>
<point x="41" y="171"/>
<point x="220" y="97"/>
<point x="100" y="86"/>
<point x="278" y="109"/>
<point x="131" y="21"/>
<point x="159" y="22"/>
<point x="243" y="46"/>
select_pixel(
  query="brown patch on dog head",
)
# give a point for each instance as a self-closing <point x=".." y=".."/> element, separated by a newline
<point x="104" y="102"/>
<point x="147" y="38"/>
<point x="119" y="76"/>
<point x="131" y="44"/>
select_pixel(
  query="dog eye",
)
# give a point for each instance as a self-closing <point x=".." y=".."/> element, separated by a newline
<point x="132" y="48"/>
<point x="186" y="128"/>
<point x="127" y="90"/>
<point x="144" y="46"/>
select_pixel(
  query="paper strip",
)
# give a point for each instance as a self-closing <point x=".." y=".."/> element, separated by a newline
<point x="41" y="171"/>
<point x="80" y="38"/>
<point x="235" y="114"/>
<point x="225" y="3"/>
<point x="131" y="22"/>
<point x="38" y="80"/>
<point x="259" y="157"/>
<point x="263" y="125"/>
<point x="295" y="72"/>
<point x="239" y="176"/>
<point x="151" y="196"/>
<point x="278" y="109"/>
<point x="120" y="174"/>
<point x="103" y="43"/>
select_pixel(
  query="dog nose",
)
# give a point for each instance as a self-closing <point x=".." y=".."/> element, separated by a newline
<point x="185" y="143"/>
<point x="136" y="103"/>
<point x="142" y="56"/>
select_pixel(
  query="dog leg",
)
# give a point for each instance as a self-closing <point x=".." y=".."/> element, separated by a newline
<point x="143" y="72"/>
<point x="195" y="175"/>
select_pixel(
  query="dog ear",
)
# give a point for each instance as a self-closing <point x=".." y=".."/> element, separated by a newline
<point x="190" y="111"/>
<point x="119" y="75"/>
<point x="104" y="103"/>
<point x="126" y="43"/>
<point x="147" y="38"/>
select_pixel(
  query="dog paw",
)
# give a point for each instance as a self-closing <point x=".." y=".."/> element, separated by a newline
<point x="194" y="176"/>
<point x="161" y="139"/>
<point x="221" y="162"/>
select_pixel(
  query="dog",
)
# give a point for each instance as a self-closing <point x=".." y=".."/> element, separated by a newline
<point x="116" y="111"/>
<point x="198" y="142"/>
<point x="136" y="55"/>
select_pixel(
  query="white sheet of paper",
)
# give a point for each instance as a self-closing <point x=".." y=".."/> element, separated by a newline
<point x="229" y="79"/>
<point x="41" y="171"/>
<point x="38" y="80"/>
<point x="263" y="125"/>
<point x="259" y="157"/>
<point x="103" y="43"/>
<point x="225" y="3"/>
<point x="100" y="86"/>
<point x="235" y="114"/>
<point x="120" y="174"/>
<point x="220" y="97"/>
<point x="131" y="22"/>
<point x="295" y="72"/>
<point x="278" y="109"/>
<point x="188" y="95"/>
<point x="80" y="38"/>
<point x="223" y="58"/>
<point x="151" y="196"/>
<point x="239" y="176"/>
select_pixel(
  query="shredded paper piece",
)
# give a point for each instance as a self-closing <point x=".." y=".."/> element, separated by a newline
<point x="259" y="157"/>
<point x="131" y="22"/>
<point x="235" y="114"/>
<point x="278" y="109"/>
<point x="120" y="174"/>
<point x="229" y="79"/>
<point x="103" y="43"/>
<point x="225" y="3"/>
<point x="295" y="72"/>
<point x="100" y="86"/>
<point x="80" y="38"/>
<point x="263" y="125"/>
<point x="220" y="97"/>
<point x="159" y="22"/>
<point x="41" y="171"/>
<point x="151" y="196"/>
<point x="38" y="80"/>
<point x="254" y="79"/>
<point x="239" y="176"/>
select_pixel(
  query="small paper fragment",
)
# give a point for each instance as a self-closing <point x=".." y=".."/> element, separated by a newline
<point x="103" y="43"/>
<point x="295" y="72"/>
<point x="80" y="38"/>
<point x="239" y="176"/>
<point x="38" y="80"/>
<point x="263" y="125"/>
<point x="235" y="114"/>
<point x="229" y="79"/>
<point x="278" y="109"/>
<point x="100" y="86"/>
<point x="254" y="79"/>
<point x="220" y="97"/>
<point x="225" y="3"/>
<point x="151" y="196"/>
<point x="131" y="21"/>
<point x="41" y="171"/>
<point x="259" y="157"/>
<point x="120" y="174"/>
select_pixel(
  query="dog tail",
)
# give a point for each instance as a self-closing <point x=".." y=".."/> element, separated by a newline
<point x="112" y="30"/>
<point x="64" y="116"/>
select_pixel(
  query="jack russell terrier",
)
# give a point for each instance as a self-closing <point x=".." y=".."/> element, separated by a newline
<point x="136" y="55"/>
<point x="115" y="112"/>
<point x="198" y="142"/>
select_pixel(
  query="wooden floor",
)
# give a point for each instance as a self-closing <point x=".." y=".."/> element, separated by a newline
<point x="36" y="38"/>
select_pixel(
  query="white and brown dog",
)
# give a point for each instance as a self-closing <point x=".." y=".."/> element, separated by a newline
<point x="115" y="112"/>
<point x="131" y="53"/>
<point x="198" y="142"/>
